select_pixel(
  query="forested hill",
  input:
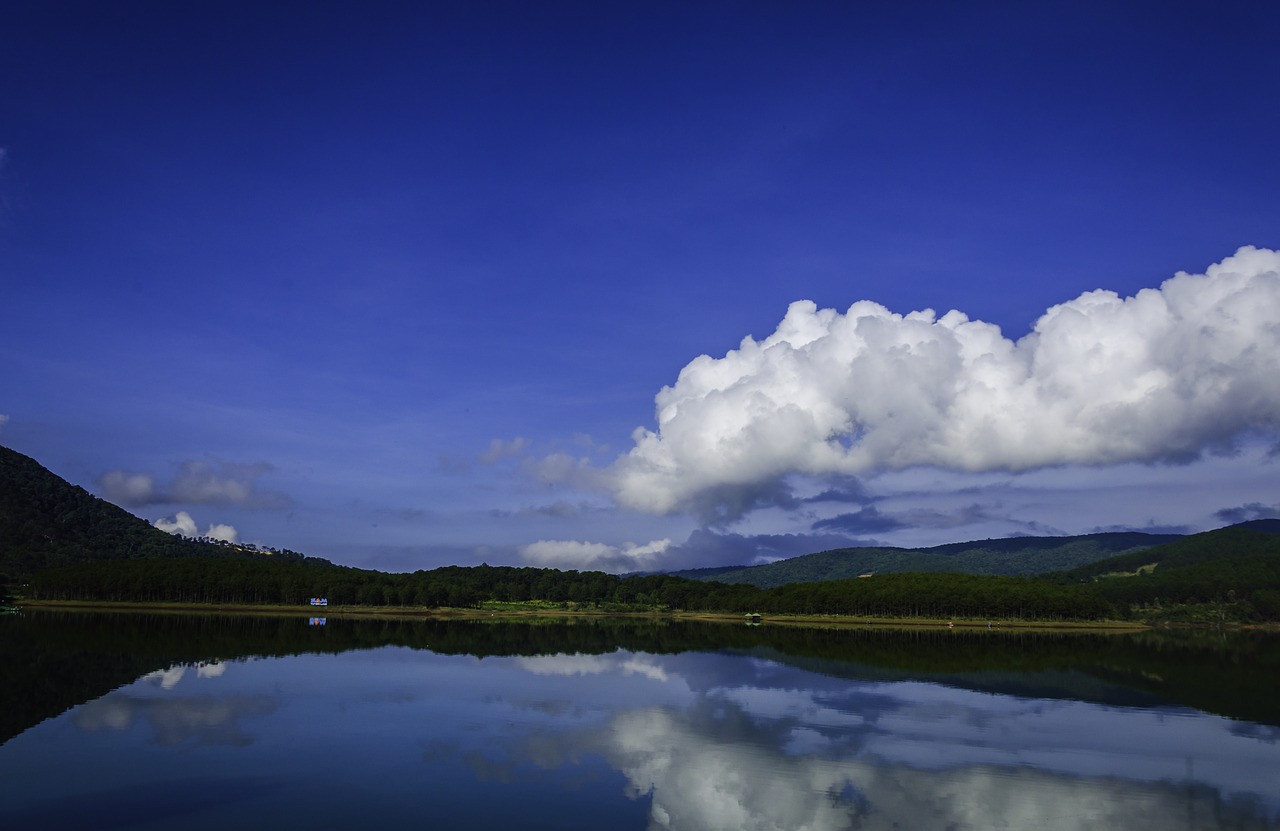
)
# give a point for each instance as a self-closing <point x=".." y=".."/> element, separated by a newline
<point x="1246" y="539"/>
<point x="1230" y="567"/>
<point x="1014" y="556"/>
<point x="45" y="521"/>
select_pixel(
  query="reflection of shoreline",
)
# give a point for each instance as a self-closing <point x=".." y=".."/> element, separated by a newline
<point x="702" y="739"/>
<point x="82" y="655"/>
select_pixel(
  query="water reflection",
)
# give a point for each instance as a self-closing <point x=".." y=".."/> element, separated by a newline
<point x="780" y="754"/>
<point x="631" y="738"/>
<point x="209" y="719"/>
<point x="723" y="767"/>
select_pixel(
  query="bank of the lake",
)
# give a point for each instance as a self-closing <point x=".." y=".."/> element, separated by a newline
<point x="548" y="611"/>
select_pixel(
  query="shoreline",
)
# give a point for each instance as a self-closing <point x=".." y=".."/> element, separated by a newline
<point x="449" y="613"/>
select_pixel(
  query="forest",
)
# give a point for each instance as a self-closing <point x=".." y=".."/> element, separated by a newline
<point x="1248" y="586"/>
<point x="237" y="581"/>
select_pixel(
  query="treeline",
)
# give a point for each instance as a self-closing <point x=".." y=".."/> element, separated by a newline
<point x="1252" y="580"/>
<point x="1232" y="573"/>
<point x="205" y="580"/>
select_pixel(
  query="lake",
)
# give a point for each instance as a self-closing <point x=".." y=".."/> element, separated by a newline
<point x="115" y="721"/>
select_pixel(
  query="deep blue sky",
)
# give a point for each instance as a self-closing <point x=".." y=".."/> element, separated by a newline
<point x="393" y="283"/>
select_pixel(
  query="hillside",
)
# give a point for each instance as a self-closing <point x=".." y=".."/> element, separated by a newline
<point x="46" y="521"/>
<point x="1240" y="563"/>
<point x="1247" y="538"/>
<point x="1011" y="557"/>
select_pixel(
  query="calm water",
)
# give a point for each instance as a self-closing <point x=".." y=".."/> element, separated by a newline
<point x="206" y="722"/>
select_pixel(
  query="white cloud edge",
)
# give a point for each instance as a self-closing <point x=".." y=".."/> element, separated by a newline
<point x="184" y="525"/>
<point x="595" y="556"/>
<point x="1101" y="380"/>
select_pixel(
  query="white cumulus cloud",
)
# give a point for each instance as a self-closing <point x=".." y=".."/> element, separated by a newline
<point x="181" y="524"/>
<point x="222" y="531"/>
<point x="1161" y="376"/>
<point x="595" y="556"/>
<point x="185" y="525"/>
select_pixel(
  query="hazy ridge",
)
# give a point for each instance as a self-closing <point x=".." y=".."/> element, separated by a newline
<point x="1010" y="557"/>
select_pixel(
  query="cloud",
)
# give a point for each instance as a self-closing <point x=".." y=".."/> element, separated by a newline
<point x="870" y="520"/>
<point x="724" y="503"/>
<point x="134" y="489"/>
<point x="4" y="419"/>
<point x="866" y="520"/>
<point x="595" y="556"/>
<point x="201" y="483"/>
<point x="705" y="548"/>
<point x="500" y="449"/>
<point x="624" y="663"/>
<point x="175" y="721"/>
<point x="589" y="444"/>
<point x="1150" y="528"/>
<point x="846" y="489"/>
<point x="735" y="772"/>
<point x="195" y="483"/>
<point x="560" y="509"/>
<point x="222" y="531"/>
<point x="1245" y="513"/>
<point x="184" y="525"/>
<point x="1163" y="376"/>
<point x="564" y="469"/>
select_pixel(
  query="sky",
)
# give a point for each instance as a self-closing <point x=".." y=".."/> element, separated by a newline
<point x="643" y="286"/>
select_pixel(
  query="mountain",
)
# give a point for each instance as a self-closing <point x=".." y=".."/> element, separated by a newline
<point x="45" y="521"/>
<point x="1014" y="556"/>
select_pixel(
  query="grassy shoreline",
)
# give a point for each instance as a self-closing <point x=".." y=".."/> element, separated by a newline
<point x="511" y="611"/>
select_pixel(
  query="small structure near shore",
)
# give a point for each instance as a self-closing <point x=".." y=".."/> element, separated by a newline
<point x="319" y="601"/>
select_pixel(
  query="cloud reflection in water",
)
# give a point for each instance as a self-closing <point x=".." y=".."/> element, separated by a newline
<point x="175" y="719"/>
<point x="894" y="755"/>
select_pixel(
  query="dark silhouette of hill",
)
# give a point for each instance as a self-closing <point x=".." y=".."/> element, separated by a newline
<point x="1011" y="557"/>
<point x="45" y="522"/>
